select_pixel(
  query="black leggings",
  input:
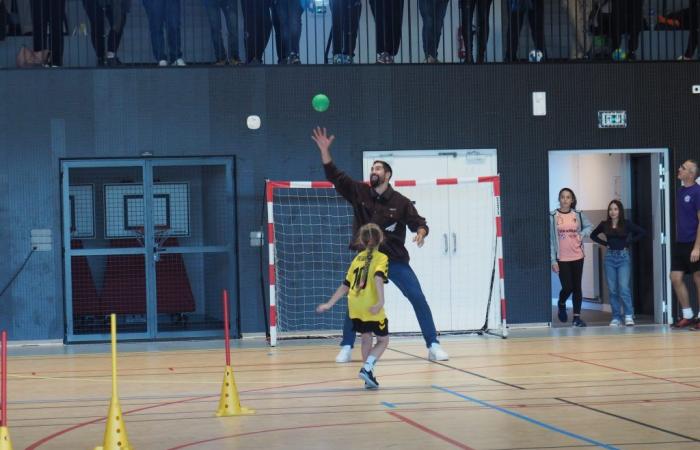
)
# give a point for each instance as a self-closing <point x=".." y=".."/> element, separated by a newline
<point x="570" y="275"/>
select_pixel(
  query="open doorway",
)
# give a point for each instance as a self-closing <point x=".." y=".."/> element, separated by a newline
<point x="639" y="179"/>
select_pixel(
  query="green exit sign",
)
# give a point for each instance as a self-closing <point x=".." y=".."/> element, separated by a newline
<point x="612" y="119"/>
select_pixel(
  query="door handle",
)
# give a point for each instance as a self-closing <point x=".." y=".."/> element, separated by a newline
<point x="454" y="242"/>
<point x="444" y="237"/>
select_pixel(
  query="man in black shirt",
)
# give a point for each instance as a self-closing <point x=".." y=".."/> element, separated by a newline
<point x="379" y="203"/>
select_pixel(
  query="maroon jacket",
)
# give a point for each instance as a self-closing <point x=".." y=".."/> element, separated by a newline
<point x="391" y="211"/>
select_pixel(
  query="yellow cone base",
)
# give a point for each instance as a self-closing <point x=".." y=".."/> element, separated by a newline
<point x="5" y="442"/>
<point x="115" y="430"/>
<point x="230" y="404"/>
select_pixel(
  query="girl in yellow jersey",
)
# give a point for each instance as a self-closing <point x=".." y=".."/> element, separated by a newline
<point x="364" y="286"/>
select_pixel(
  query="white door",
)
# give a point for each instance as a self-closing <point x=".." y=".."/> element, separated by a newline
<point x="432" y="263"/>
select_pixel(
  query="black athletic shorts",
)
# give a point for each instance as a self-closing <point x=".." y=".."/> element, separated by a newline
<point x="378" y="328"/>
<point x="680" y="258"/>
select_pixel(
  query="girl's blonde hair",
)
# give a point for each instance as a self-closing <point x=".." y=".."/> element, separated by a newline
<point x="369" y="237"/>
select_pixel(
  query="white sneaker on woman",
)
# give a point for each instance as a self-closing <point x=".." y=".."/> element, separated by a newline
<point x="629" y="321"/>
<point x="344" y="355"/>
<point x="436" y="353"/>
<point x="615" y="322"/>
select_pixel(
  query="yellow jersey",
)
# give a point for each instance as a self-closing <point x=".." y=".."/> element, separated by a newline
<point x="361" y="298"/>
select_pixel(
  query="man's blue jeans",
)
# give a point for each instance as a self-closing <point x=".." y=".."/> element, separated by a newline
<point x="617" y="274"/>
<point x="401" y="274"/>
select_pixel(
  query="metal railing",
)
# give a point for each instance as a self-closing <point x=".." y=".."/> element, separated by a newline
<point x="233" y="32"/>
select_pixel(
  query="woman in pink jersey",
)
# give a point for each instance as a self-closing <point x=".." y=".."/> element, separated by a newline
<point x="568" y="227"/>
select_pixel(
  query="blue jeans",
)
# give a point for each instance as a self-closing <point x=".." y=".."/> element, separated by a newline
<point x="289" y="14"/>
<point x="401" y="274"/>
<point x="617" y="273"/>
<point x="433" y="14"/>
<point x="230" y="10"/>
<point x="164" y="14"/>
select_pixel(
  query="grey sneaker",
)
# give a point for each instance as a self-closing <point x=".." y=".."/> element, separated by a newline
<point x="385" y="58"/>
<point x="342" y="59"/>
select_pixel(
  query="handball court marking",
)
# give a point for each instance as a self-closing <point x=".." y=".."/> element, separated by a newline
<point x="614" y="391"/>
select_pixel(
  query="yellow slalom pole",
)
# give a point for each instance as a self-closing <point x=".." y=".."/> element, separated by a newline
<point x="115" y="430"/>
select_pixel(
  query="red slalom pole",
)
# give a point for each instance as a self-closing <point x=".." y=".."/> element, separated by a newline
<point x="3" y="381"/>
<point x="227" y="341"/>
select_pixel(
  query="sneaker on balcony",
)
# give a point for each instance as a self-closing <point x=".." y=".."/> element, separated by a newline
<point x="179" y="62"/>
<point x="430" y="59"/>
<point x="162" y="63"/>
<point x="385" y="58"/>
<point x="535" y="56"/>
<point x="342" y="59"/>
<point x="344" y="355"/>
<point x="629" y="321"/>
<point x="436" y="353"/>
<point x="615" y="322"/>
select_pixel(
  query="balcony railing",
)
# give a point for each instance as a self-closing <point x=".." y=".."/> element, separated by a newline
<point x="233" y="32"/>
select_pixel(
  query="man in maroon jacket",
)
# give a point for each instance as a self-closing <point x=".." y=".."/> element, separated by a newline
<point x="379" y="203"/>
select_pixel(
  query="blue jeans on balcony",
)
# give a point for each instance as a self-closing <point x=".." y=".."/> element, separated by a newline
<point x="229" y="8"/>
<point x="164" y="14"/>
<point x="617" y="274"/>
<point x="401" y="274"/>
<point x="433" y="14"/>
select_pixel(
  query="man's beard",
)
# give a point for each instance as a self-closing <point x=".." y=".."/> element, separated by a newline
<point x="374" y="180"/>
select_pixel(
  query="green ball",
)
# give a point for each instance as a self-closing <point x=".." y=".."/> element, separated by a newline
<point x="320" y="102"/>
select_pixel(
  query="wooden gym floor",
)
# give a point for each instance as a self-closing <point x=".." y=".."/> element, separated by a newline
<point x="546" y="389"/>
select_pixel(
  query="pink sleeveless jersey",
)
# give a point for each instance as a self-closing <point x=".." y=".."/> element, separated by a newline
<point x="570" y="245"/>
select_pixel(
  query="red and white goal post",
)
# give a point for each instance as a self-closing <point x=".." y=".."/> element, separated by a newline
<point x="460" y="267"/>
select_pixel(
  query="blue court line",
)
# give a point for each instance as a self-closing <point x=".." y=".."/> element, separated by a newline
<point x="389" y="405"/>
<point x="528" y="419"/>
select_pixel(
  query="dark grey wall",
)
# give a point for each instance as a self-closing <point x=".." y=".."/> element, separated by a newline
<point x="51" y="114"/>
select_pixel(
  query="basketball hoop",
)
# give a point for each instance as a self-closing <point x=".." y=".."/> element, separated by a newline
<point x="160" y="235"/>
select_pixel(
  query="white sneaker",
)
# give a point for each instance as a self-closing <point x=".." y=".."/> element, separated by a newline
<point x="162" y="63"/>
<point x="179" y="62"/>
<point x="436" y="353"/>
<point x="535" y="56"/>
<point x="344" y="355"/>
<point x="615" y="323"/>
<point x="629" y="321"/>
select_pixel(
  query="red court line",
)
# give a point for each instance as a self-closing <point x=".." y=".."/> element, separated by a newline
<point x="626" y="371"/>
<point x="271" y="430"/>
<point x="429" y="431"/>
<point x="44" y="440"/>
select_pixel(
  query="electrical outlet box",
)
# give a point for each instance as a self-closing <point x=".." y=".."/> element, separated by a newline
<point x="42" y="240"/>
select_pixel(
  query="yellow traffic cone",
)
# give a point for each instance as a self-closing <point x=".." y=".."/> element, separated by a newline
<point x="5" y="442"/>
<point x="115" y="430"/>
<point x="229" y="403"/>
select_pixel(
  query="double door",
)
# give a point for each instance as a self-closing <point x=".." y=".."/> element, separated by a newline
<point x="455" y="264"/>
<point x="151" y="240"/>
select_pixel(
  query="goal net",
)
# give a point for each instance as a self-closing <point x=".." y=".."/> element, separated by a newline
<point x="460" y="267"/>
